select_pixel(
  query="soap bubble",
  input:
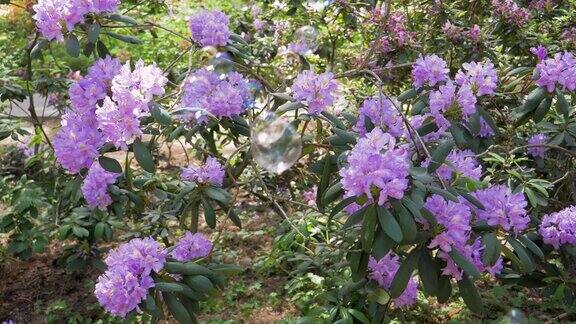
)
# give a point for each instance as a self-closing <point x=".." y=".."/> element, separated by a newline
<point x="276" y="145"/>
<point x="287" y="64"/>
<point x="306" y="39"/>
<point x="516" y="316"/>
<point x="222" y="63"/>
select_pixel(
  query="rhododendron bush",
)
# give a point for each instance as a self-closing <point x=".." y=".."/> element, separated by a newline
<point x="434" y="139"/>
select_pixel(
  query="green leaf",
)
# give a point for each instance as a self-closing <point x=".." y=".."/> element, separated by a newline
<point x="531" y="246"/>
<point x="404" y="273"/>
<point x="161" y="115"/>
<point x="341" y="205"/>
<point x="187" y="269"/>
<point x="143" y="156"/>
<point x="464" y="264"/>
<point x="289" y="106"/>
<point x="491" y="248"/>
<point x="227" y="269"/>
<point x="408" y="94"/>
<point x="176" y="308"/>
<point x="324" y="181"/>
<point x="407" y="224"/>
<point x="428" y="272"/>
<point x="471" y="199"/>
<point x="174" y="287"/>
<point x="470" y="294"/>
<point x="389" y="224"/>
<point x="542" y="110"/>
<point x="382" y="245"/>
<point x="199" y="283"/>
<point x="99" y="230"/>
<point x="332" y="193"/>
<point x="80" y="231"/>
<point x="123" y="19"/>
<point x="444" y="289"/>
<point x="102" y="49"/>
<point x="37" y="49"/>
<point x="359" y="315"/>
<point x="209" y="214"/>
<point x="562" y="104"/>
<point x="218" y="194"/>
<point x="444" y="193"/>
<point x="439" y="155"/>
<point x="93" y="33"/>
<point x="110" y="164"/>
<point x="73" y="45"/>
<point x="369" y="228"/>
<point x="527" y="264"/>
<point x="125" y="38"/>
<point x="355" y="218"/>
<point x="346" y="137"/>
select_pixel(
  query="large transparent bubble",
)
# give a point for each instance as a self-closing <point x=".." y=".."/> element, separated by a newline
<point x="516" y="316"/>
<point x="276" y="145"/>
<point x="287" y="65"/>
<point x="307" y="38"/>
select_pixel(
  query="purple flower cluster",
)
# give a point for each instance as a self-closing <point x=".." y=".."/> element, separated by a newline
<point x="88" y="125"/>
<point x="383" y="272"/>
<point x="455" y="100"/>
<point x="77" y="142"/>
<point x="481" y="77"/>
<point x="95" y="186"/>
<point x="510" y="11"/>
<point x="502" y="208"/>
<point x="381" y="112"/>
<point x="210" y="28"/>
<point x="376" y="162"/>
<point x="452" y="32"/>
<point x="557" y="71"/>
<point x="125" y="283"/>
<point x="541" y="4"/>
<point x="316" y="89"/>
<point x="456" y="218"/>
<point x="219" y="95"/>
<point x="211" y="172"/>
<point x="485" y="129"/>
<point x="119" y="115"/>
<point x="459" y="163"/>
<point x="559" y="228"/>
<point x="429" y="70"/>
<point x="310" y="196"/>
<point x="191" y="246"/>
<point x="537" y="139"/>
<point x="52" y="15"/>
<point x="540" y="52"/>
<point x="397" y="28"/>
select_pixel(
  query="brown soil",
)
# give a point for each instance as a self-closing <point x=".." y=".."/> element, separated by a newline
<point x="38" y="281"/>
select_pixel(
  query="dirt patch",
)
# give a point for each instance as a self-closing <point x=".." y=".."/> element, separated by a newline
<point x="38" y="281"/>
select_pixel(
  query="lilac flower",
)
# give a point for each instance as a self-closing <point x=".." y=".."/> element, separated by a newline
<point x="455" y="218"/>
<point x="537" y="139"/>
<point x="485" y="129"/>
<point x="481" y="77"/>
<point x="125" y="283"/>
<point x="429" y="70"/>
<point x="559" y="228"/>
<point x="502" y="208"/>
<point x="557" y="71"/>
<point x="120" y="291"/>
<point x="540" y="52"/>
<point x="140" y="256"/>
<point x="211" y="172"/>
<point x="316" y="89"/>
<point x="381" y="113"/>
<point x="222" y="96"/>
<point x="210" y="28"/>
<point x="145" y="82"/>
<point x="396" y="27"/>
<point x="191" y="246"/>
<point x="51" y="15"/>
<point x="541" y="4"/>
<point x="310" y="196"/>
<point x="119" y="121"/>
<point x="376" y="162"/>
<point x="440" y="101"/>
<point x="85" y="93"/>
<point x="383" y="272"/>
<point x="511" y="12"/>
<point x="473" y="253"/>
<point x="95" y="186"/>
<point x="474" y="33"/>
<point x="459" y="162"/>
<point x="452" y="32"/>
<point x="77" y="142"/>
